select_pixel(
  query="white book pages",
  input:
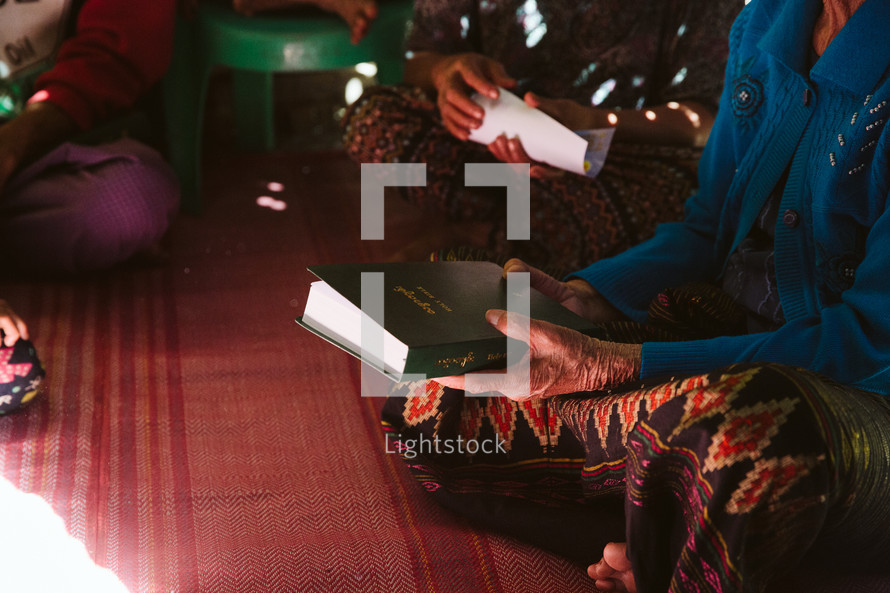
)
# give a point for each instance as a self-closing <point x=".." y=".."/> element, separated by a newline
<point x="332" y="314"/>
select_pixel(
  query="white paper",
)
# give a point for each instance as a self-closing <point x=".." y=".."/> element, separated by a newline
<point x="543" y="138"/>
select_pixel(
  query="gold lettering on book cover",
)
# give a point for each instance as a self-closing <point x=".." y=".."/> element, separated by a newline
<point x="430" y="296"/>
<point x="417" y="301"/>
<point x="460" y="361"/>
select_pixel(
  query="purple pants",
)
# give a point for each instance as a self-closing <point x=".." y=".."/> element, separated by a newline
<point x="83" y="208"/>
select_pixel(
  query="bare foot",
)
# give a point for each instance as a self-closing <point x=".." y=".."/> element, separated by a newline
<point x="613" y="572"/>
<point x="358" y="14"/>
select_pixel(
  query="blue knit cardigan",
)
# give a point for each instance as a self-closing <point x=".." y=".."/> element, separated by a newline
<point x="826" y="125"/>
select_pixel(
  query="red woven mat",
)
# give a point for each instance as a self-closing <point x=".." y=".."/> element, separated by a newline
<point x="196" y="440"/>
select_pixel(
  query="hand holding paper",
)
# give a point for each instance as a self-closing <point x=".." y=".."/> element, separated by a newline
<point x="543" y="138"/>
<point x="455" y="78"/>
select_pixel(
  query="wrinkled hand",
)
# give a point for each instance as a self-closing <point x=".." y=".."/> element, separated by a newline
<point x="12" y="325"/>
<point x="456" y="78"/>
<point x="576" y="295"/>
<point x="559" y="361"/>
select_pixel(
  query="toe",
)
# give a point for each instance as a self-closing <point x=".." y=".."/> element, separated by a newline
<point x="600" y="570"/>
<point x="608" y="585"/>
<point x="615" y="555"/>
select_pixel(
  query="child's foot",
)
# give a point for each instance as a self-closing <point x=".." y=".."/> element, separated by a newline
<point x="613" y="572"/>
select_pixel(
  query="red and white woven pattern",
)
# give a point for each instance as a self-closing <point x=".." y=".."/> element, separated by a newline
<point x="196" y="440"/>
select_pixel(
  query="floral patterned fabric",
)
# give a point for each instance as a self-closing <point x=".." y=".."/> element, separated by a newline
<point x="604" y="53"/>
<point x="718" y="482"/>
<point x="613" y="53"/>
<point x="575" y="220"/>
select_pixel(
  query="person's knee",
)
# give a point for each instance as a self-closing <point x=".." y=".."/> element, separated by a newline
<point x="144" y="215"/>
<point x="88" y="208"/>
<point x="741" y="415"/>
<point x="130" y="212"/>
<point x="381" y="123"/>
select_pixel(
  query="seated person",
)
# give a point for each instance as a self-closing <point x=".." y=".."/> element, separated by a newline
<point x="21" y="374"/>
<point x="64" y="207"/>
<point x="737" y="419"/>
<point x="588" y="64"/>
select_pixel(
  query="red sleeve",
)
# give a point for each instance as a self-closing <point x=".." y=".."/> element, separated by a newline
<point x="121" y="48"/>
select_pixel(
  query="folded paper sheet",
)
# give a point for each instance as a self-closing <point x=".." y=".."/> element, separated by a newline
<point x="544" y="139"/>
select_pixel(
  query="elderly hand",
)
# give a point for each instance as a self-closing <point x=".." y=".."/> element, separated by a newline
<point x="12" y="325"/>
<point x="559" y="361"/>
<point x="576" y="295"/>
<point x="456" y="78"/>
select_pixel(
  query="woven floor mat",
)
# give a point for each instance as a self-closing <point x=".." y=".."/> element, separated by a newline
<point x="195" y="439"/>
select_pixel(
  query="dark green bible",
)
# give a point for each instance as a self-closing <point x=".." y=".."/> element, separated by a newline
<point x="433" y="315"/>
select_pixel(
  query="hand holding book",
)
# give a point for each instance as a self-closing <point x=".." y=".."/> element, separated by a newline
<point x="576" y="295"/>
<point x="560" y="361"/>
<point x="430" y="316"/>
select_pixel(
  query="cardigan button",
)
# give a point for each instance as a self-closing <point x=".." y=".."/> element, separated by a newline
<point x="843" y="270"/>
<point x="791" y="218"/>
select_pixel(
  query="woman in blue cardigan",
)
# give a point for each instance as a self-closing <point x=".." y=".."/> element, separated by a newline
<point x="739" y="410"/>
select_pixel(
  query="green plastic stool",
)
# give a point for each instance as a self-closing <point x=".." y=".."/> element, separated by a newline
<point x="255" y="48"/>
